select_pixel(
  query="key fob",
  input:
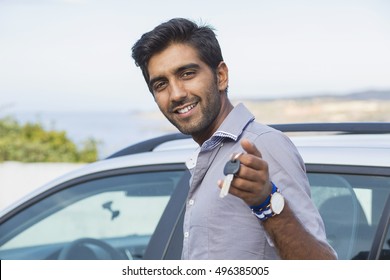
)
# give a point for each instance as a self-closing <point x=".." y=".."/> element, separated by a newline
<point x="232" y="167"/>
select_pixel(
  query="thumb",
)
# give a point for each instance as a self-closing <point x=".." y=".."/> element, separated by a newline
<point x="250" y="148"/>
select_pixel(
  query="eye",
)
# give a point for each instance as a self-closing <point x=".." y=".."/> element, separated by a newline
<point x="159" y="85"/>
<point x="188" y="74"/>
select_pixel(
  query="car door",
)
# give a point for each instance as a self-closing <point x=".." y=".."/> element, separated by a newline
<point x="107" y="215"/>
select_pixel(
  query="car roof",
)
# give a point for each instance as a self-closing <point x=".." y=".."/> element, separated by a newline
<point x="356" y="150"/>
<point x="349" y="149"/>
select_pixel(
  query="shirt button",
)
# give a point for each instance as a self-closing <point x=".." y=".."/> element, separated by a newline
<point x="186" y="234"/>
<point x="191" y="202"/>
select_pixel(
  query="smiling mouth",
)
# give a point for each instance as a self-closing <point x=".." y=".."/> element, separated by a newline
<point x="186" y="109"/>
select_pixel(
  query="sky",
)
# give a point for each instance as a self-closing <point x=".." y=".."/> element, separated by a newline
<point x="75" y="55"/>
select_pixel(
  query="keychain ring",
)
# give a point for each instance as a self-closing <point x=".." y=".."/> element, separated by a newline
<point x="235" y="156"/>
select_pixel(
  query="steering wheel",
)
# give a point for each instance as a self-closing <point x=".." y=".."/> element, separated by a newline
<point x="73" y="248"/>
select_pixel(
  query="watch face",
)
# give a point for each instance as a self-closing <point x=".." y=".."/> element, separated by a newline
<point x="277" y="203"/>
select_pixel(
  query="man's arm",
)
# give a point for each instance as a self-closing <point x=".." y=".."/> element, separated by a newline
<point x="292" y="240"/>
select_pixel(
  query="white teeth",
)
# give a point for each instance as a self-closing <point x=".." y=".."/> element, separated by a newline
<point x="186" y="109"/>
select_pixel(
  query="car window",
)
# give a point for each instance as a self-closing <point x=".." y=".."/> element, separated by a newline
<point x="122" y="211"/>
<point x="351" y="207"/>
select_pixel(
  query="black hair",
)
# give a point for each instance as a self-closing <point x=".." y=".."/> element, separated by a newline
<point x="177" y="30"/>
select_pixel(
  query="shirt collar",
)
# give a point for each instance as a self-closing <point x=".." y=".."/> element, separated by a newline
<point x="232" y="127"/>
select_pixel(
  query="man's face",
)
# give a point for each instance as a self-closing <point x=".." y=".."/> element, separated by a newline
<point x="186" y="90"/>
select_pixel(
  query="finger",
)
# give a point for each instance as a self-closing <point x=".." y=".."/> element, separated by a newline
<point x="220" y="183"/>
<point x="248" y="195"/>
<point x="244" y="184"/>
<point x="250" y="148"/>
<point x="253" y="173"/>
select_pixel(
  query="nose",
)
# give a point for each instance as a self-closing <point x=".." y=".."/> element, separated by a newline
<point x="177" y="91"/>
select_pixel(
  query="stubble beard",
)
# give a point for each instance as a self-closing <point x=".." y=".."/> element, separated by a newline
<point x="209" y="109"/>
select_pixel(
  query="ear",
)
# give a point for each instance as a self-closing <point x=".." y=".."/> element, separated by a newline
<point x="222" y="76"/>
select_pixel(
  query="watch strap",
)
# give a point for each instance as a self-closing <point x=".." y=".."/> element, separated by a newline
<point x="266" y="201"/>
<point x="264" y="211"/>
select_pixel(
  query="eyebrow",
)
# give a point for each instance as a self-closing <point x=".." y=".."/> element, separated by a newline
<point x="178" y="70"/>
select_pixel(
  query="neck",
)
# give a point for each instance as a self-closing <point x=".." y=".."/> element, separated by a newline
<point x="203" y="136"/>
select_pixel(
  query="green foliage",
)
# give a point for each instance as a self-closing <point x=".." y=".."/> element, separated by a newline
<point x="32" y="143"/>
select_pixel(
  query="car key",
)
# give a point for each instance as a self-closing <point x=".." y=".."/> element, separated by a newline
<point x="231" y="168"/>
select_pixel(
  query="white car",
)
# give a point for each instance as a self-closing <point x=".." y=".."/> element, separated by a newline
<point x="131" y="205"/>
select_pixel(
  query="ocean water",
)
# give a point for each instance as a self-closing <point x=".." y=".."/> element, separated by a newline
<point x="113" y="130"/>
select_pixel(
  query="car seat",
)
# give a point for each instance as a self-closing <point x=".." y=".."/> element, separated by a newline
<point x="344" y="221"/>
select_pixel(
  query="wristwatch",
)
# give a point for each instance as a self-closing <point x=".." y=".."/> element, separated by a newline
<point x="272" y="206"/>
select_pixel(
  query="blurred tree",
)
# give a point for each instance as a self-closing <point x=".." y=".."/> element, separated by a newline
<point x="32" y="143"/>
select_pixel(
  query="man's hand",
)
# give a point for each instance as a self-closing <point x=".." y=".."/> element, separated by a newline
<point x="251" y="183"/>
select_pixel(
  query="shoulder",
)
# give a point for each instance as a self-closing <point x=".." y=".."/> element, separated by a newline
<point x="274" y="145"/>
<point x="262" y="134"/>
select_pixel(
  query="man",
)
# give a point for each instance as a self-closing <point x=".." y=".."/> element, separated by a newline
<point x="268" y="213"/>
